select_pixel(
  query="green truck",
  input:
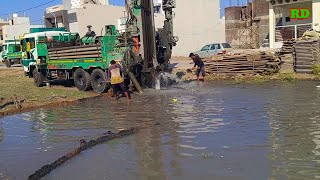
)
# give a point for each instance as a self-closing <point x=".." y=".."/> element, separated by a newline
<point x="55" y="54"/>
<point x="11" y="53"/>
<point x="51" y="55"/>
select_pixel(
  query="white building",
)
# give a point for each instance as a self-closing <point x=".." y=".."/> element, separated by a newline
<point x="196" y="24"/>
<point x="98" y="16"/>
<point x="2" y="23"/>
<point x="71" y="4"/>
<point x="17" y="26"/>
<point x="282" y="27"/>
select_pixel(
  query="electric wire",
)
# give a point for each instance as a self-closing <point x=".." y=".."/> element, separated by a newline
<point x="28" y="9"/>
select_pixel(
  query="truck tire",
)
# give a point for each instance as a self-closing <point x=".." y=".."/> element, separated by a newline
<point x="38" y="78"/>
<point x="82" y="80"/>
<point x="98" y="81"/>
<point x="7" y="62"/>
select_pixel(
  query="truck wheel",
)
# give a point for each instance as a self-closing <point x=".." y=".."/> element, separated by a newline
<point x="7" y="62"/>
<point x="38" y="78"/>
<point x="82" y="80"/>
<point x="98" y="81"/>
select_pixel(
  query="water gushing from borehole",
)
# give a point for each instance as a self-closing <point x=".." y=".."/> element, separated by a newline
<point x="166" y="79"/>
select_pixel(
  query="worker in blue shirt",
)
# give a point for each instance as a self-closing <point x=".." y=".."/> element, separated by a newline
<point x="200" y="66"/>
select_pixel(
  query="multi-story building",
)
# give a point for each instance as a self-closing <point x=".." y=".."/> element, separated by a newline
<point x="196" y="23"/>
<point x="283" y="27"/>
<point x="247" y="26"/>
<point x="2" y="23"/>
<point x="56" y="16"/>
<point x="71" y="4"/>
<point x="17" y="26"/>
<point x="97" y="13"/>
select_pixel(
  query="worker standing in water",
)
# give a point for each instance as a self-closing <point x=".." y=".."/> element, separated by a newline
<point x="200" y="69"/>
<point x="115" y="73"/>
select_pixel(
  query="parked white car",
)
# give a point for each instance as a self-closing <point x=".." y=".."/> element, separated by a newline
<point x="212" y="49"/>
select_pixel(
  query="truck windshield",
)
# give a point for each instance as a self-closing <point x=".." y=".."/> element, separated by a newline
<point x="17" y="48"/>
<point x="4" y="47"/>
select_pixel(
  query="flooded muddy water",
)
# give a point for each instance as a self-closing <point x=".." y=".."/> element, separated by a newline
<point x="219" y="131"/>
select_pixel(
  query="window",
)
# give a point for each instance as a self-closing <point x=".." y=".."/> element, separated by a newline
<point x="32" y="43"/>
<point x="213" y="47"/>
<point x="17" y="48"/>
<point x="288" y="19"/>
<point x="217" y="46"/>
<point x="4" y="47"/>
<point x="72" y="17"/>
<point x="123" y="21"/>
<point x="226" y="45"/>
<point x="206" y="48"/>
<point x="157" y="9"/>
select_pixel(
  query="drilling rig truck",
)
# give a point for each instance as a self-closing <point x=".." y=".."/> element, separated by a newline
<point x="50" y="54"/>
<point x="11" y="53"/>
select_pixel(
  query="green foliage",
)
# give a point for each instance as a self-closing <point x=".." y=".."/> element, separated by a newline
<point x="286" y="76"/>
<point x="316" y="69"/>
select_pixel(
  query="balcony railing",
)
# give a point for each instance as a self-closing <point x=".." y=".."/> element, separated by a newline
<point x="284" y="33"/>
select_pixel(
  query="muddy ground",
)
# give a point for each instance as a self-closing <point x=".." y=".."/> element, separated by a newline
<point x="18" y="94"/>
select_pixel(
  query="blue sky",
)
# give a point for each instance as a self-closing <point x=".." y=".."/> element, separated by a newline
<point x="36" y="14"/>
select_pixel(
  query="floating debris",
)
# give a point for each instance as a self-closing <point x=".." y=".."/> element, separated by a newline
<point x="207" y="155"/>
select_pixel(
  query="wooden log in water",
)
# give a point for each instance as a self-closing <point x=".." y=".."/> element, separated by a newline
<point x="46" y="169"/>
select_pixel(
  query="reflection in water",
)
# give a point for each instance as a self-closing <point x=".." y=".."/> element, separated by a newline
<point x="196" y="116"/>
<point x="217" y="132"/>
<point x="294" y="119"/>
<point x="1" y="133"/>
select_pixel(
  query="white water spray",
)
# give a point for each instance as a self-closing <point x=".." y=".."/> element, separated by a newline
<point x="165" y="80"/>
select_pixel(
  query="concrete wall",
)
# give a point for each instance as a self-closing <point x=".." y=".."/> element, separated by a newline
<point x="17" y="27"/>
<point x="241" y="34"/>
<point x="97" y="16"/>
<point x="19" y="20"/>
<point x="14" y="31"/>
<point x="158" y="20"/>
<point x="61" y="18"/>
<point x="197" y="23"/>
<point x="2" y="23"/>
<point x="285" y="12"/>
<point x="66" y="4"/>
